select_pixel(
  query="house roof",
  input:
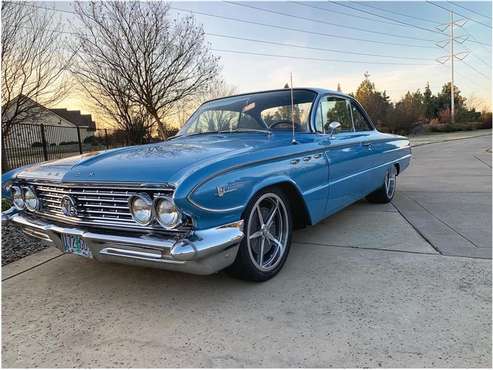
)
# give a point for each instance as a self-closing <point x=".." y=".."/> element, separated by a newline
<point x="75" y="117"/>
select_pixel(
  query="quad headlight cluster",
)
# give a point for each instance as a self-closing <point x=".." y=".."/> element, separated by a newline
<point x="145" y="210"/>
<point x="25" y="197"/>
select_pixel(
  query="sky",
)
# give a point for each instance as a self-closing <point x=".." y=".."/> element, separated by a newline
<point x="402" y="36"/>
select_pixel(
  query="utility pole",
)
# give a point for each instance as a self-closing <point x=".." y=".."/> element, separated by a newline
<point x="452" y="55"/>
<point x="452" y="97"/>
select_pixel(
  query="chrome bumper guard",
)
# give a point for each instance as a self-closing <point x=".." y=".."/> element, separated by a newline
<point x="202" y="252"/>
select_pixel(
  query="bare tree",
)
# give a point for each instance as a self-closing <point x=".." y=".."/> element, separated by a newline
<point x="33" y="62"/>
<point x="134" y="54"/>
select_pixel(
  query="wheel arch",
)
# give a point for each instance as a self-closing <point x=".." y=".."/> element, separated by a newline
<point x="297" y="204"/>
<point x="398" y="168"/>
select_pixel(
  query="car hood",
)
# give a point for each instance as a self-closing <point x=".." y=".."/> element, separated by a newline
<point x="164" y="162"/>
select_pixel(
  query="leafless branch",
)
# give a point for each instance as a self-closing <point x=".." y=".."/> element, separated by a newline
<point x="134" y="55"/>
<point x="34" y="62"/>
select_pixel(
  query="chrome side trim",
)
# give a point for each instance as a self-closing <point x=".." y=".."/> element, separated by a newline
<point x="249" y="164"/>
<point x="394" y="161"/>
<point x="189" y="198"/>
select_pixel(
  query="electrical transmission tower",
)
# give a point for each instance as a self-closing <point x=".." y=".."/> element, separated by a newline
<point x="452" y="55"/>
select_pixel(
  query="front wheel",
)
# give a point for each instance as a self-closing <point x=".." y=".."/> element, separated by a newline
<point x="268" y="231"/>
<point x="386" y="192"/>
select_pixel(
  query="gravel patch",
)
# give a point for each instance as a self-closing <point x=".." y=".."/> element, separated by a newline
<point x="16" y="245"/>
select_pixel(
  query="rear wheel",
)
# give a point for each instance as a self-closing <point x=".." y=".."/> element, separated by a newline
<point x="386" y="192"/>
<point x="268" y="231"/>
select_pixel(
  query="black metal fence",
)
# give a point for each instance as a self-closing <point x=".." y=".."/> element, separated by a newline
<point x="32" y="143"/>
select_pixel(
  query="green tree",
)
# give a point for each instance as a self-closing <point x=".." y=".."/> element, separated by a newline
<point x="443" y="98"/>
<point x="429" y="103"/>
<point x="407" y="113"/>
<point x="376" y="103"/>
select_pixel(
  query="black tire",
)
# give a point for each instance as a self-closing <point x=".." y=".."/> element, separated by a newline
<point x="246" y="264"/>
<point x="386" y="192"/>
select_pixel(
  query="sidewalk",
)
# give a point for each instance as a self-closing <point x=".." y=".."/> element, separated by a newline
<point x="449" y="136"/>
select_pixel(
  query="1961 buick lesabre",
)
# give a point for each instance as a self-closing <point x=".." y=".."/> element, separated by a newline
<point x="226" y="192"/>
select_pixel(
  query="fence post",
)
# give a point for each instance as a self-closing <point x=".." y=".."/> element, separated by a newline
<point x="43" y="141"/>
<point x="78" y="139"/>
<point x="5" y="163"/>
<point x="106" y="138"/>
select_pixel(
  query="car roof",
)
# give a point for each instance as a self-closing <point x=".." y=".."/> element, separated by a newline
<point x="317" y="90"/>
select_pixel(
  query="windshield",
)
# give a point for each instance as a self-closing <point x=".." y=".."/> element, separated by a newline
<point x="260" y="111"/>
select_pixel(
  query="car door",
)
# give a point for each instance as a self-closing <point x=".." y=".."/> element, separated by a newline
<point x="371" y="148"/>
<point x="343" y="150"/>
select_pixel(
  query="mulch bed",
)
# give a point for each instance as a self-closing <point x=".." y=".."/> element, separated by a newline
<point x="16" y="245"/>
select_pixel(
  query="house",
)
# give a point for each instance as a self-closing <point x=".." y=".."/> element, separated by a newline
<point x="60" y="126"/>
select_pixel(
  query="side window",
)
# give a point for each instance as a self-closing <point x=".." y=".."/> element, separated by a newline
<point x="332" y="109"/>
<point x="360" y="122"/>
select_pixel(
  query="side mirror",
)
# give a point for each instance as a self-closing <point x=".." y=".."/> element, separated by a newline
<point x="333" y="127"/>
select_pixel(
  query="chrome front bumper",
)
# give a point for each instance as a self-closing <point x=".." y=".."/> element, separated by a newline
<point x="203" y="252"/>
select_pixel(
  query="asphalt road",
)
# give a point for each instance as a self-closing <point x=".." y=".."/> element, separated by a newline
<point x="406" y="284"/>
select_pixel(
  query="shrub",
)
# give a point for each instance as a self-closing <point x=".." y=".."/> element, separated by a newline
<point x="6" y="204"/>
<point x="444" y="115"/>
<point x="451" y="127"/>
<point x="68" y="143"/>
<point x="464" y="115"/>
<point x="486" y="120"/>
<point x="53" y="144"/>
<point x="92" y="140"/>
<point x="36" y="144"/>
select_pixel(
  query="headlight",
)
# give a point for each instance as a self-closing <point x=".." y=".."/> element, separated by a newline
<point x="141" y="208"/>
<point x="17" y="197"/>
<point x="166" y="213"/>
<point x="30" y="199"/>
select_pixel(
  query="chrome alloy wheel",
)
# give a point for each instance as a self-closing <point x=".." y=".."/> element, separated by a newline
<point x="267" y="233"/>
<point x="390" y="181"/>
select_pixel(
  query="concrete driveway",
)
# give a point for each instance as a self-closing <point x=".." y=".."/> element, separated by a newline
<point x="399" y="285"/>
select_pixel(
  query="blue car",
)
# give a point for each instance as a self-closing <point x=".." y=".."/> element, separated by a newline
<point x="225" y="193"/>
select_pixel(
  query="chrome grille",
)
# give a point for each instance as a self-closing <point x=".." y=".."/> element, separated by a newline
<point x="96" y="205"/>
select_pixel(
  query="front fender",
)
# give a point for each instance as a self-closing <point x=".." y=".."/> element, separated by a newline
<point x="8" y="177"/>
<point x="223" y="197"/>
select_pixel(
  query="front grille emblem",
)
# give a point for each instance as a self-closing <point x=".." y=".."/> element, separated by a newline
<point x="69" y="206"/>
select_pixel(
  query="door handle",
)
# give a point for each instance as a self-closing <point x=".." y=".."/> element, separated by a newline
<point x="368" y="145"/>
<point x="295" y="161"/>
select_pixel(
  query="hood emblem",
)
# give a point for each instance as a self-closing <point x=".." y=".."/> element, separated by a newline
<point x="69" y="206"/>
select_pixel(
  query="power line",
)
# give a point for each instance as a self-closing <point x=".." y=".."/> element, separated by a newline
<point x="462" y="15"/>
<point x="481" y="60"/>
<point x="348" y="14"/>
<point x="479" y="42"/>
<point x="316" y="59"/>
<point x="264" y="41"/>
<point x="300" y="30"/>
<point x="468" y="9"/>
<point x="475" y="69"/>
<point x="44" y="7"/>
<point x="396" y="13"/>
<point x="313" y="47"/>
<point x="385" y="17"/>
<point x="325" y="22"/>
